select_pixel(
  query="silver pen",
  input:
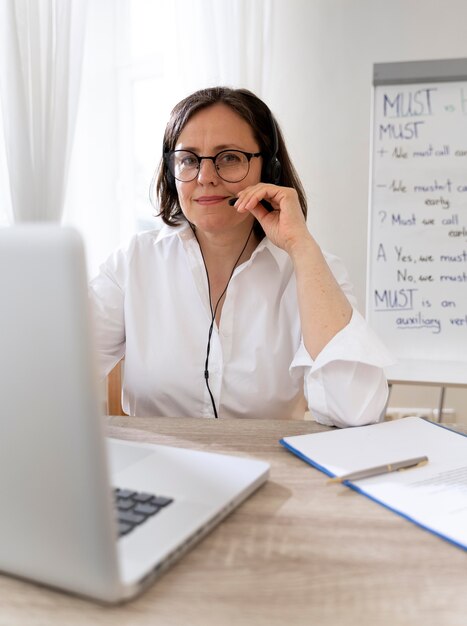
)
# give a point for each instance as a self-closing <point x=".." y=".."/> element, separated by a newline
<point x="381" y="469"/>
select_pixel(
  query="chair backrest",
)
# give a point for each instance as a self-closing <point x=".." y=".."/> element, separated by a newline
<point x="114" y="391"/>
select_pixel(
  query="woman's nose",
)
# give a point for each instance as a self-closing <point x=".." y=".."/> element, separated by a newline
<point x="207" y="171"/>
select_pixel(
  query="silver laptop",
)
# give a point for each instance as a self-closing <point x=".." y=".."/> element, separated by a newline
<point x="63" y="522"/>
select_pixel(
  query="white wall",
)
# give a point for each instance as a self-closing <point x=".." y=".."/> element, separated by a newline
<point x="322" y="55"/>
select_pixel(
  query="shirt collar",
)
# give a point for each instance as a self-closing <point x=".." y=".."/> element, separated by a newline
<point x="171" y="231"/>
<point x="184" y="232"/>
<point x="279" y="255"/>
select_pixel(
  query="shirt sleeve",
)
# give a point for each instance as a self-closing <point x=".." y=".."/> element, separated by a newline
<point x="106" y="293"/>
<point x="345" y="385"/>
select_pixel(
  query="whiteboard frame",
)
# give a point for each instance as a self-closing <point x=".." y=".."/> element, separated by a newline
<point x="412" y="72"/>
<point x="416" y="371"/>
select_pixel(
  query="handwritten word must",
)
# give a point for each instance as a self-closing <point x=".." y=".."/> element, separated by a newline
<point x="397" y="131"/>
<point x="430" y="151"/>
<point x="409" y="103"/>
<point x="390" y="299"/>
<point x="461" y="257"/>
<point x="453" y="278"/>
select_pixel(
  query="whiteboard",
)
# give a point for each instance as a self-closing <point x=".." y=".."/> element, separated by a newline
<point x="417" y="249"/>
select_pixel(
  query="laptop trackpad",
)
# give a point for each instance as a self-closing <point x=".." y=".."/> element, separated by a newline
<point x="123" y="454"/>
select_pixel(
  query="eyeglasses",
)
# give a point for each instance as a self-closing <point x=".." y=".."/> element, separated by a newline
<point x="231" y="165"/>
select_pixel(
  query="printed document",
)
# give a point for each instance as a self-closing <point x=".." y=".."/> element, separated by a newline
<point x="433" y="495"/>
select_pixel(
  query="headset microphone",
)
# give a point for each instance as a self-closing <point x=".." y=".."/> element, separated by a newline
<point x="265" y="203"/>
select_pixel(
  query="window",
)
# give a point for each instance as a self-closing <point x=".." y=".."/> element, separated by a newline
<point x="142" y="107"/>
<point x="140" y="58"/>
<point x="4" y="182"/>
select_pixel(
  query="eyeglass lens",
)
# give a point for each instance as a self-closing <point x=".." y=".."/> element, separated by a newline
<point x="231" y="165"/>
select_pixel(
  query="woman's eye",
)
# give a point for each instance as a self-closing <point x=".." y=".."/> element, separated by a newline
<point x="229" y="158"/>
<point x="189" y="162"/>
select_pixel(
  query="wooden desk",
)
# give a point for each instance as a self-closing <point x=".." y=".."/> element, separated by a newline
<point x="297" y="552"/>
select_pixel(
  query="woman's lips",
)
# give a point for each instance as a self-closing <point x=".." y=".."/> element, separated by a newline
<point x="208" y="200"/>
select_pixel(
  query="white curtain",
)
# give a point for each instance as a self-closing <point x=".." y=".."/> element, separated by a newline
<point x="204" y="43"/>
<point x="219" y="42"/>
<point x="40" y="69"/>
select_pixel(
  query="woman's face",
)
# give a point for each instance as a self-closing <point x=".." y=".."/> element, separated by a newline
<point x="205" y="200"/>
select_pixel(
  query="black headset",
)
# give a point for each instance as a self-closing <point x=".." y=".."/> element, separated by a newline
<point x="170" y="178"/>
<point x="271" y="170"/>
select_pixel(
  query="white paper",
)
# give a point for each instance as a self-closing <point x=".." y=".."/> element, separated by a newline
<point x="433" y="495"/>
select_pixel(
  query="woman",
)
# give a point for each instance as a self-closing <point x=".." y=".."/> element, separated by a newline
<point x="231" y="309"/>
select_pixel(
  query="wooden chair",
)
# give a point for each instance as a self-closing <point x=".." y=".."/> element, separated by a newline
<point x="114" y="391"/>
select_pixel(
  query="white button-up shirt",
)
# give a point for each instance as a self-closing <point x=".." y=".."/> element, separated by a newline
<point x="151" y="305"/>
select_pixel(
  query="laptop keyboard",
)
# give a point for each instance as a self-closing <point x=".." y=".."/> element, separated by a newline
<point x="134" y="508"/>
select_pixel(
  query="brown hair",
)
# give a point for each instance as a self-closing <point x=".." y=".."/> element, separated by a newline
<point x="265" y="129"/>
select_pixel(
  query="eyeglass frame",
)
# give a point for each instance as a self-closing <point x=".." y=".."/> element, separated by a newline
<point x="248" y="155"/>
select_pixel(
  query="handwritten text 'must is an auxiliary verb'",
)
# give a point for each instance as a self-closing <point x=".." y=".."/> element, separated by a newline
<point x="403" y="302"/>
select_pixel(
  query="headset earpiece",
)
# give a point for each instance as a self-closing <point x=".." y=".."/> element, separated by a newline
<point x="273" y="168"/>
<point x="169" y="177"/>
<point x="170" y="180"/>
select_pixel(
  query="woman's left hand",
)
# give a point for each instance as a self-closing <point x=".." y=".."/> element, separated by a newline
<point x="324" y="308"/>
<point x="285" y="226"/>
